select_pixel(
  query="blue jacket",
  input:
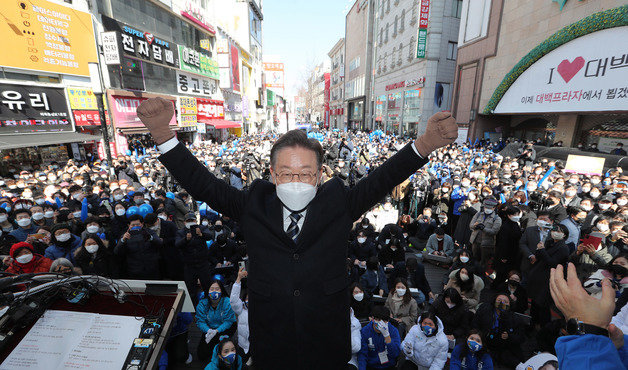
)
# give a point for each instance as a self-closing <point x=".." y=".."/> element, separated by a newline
<point x="590" y="351"/>
<point x="219" y="319"/>
<point x="372" y="282"/>
<point x="572" y="240"/>
<point x="373" y="343"/>
<point x="458" y="197"/>
<point x="21" y="234"/>
<point x="215" y="362"/>
<point x="54" y="251"/>
<point x="470" y="361"/>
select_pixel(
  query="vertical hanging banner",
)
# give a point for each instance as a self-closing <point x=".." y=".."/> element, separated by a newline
<point x="424" y="15"/>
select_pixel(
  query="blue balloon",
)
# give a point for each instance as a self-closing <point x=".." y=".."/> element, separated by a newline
<point x="170" y="195"/>
<point x="218" y="277"/>
<point x="145" y="209"/>
<point x="128" y="152"/>
<point x="133" y="210"/>
<point x="5" y="206"/>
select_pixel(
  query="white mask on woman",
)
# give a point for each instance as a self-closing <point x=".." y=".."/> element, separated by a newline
<point x="358" y="297"/>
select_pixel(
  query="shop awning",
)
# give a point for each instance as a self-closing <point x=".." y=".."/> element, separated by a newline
<point x="221" y="123"/>
<point x="26" y="140"/>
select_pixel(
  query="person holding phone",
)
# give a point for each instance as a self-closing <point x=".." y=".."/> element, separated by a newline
<point x="140" y="248"/>
<point x="192" y="242"/>
<point x="240" y="305"/>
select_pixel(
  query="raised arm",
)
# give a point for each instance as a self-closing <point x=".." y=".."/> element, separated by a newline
<point x="156" y="113"/>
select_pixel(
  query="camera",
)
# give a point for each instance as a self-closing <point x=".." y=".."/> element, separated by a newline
<point x="480" y="227"/>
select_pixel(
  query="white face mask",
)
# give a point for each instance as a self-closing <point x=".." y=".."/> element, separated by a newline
<point x="622" y="202"/>
<point x="557" y="235"/>
<point x="38" y="216"/>
<point x="543" y="224"/>
<point x="439" y="239"/>
<point x="464" y="259"/>
<point x="120" y="211"/>
<point x="205" y="223"/>
<point x="24" y="222"/>
<point x="63" y="237"/>
<point x="488" y="211"/>
<point x="401" y="292"/>
<point x="450" y="305"/>
<point x="77" y="214"/>
<point x="604" y="206"/>
<point x="92" y="229"/>
<point x="358" y="297"/>
<point x="296" y="195"/>
<point x="515" y="218"/>
<point x="163" y="217"/>
<point x="118" y="197"/>
<point x="570" y="193"/>
<point x="25" y="258"/>
<point x="40" y="201"/>
<point x="49" y="214"/>
<point x="3" y="218"/>
<point x="464" y="277"/>
<point x="361" y="240"/>
<point x="602" y="227"/>
<point x="91" y="248"/>
<point x="190" y="224"/>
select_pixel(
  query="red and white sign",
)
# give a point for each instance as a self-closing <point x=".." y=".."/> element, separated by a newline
<point x="208" y="109"/>
<point x="86" y="117"/>
<point x="124" y="109"/>
<point x="587" y="74"/>
<point x="407" y="83"/>
<point x="425" y="13"/>
<point x="101" y="150"/>
<point x="274" y="75"/>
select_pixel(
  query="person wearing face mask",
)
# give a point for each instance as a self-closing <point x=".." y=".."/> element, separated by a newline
<point x="240" y="306"/>
<point x="507" y="244"/>
<point x="439" y="247"/>
<point x="469" y="285"/>
<point x="503" y="330"/>
<point x="374" y="278"/>
<point x="290" y="222"/>
<point x="517" y="293"/>
<point x="426" y="345"/>
<point x="220" y="228"/>
<point x="24" y="260"/>
<point x="224" y="255"/>
<point x="214" y="318"/>
<point x="393" y="255"/>
<point x="225" y="357"/>
<point x="25" y="225"/>
<point x="616" y="272"/>
<point x="619" y="150"/>
<point x="455" y="317"/>
<point x="93" y="227"/>
<point x="574" y="222"/>
<point x="379" y="348"/>
<point x="389" y="232"/>
<point x="361" y="303"/>
<point x="93" y="258"/>
<point x="139" y="247"/>
<point x="588" y="258"/>
<point x="570" y="198"/>
<point x="191" y="242"/>
<point x="119" y="223"/>
<point x="485" y="226"/>
<point x="471" y="354"/>
<point x="365" y="226"/>
<point x="171" y="258"/>
<point x="531" y="238"/>
<point x="361" y="249"/>
<point x="63" y="243"/>
<point x="549" y="254"/>
<point x="426" y="225"/>
<point x="403" y="309"/>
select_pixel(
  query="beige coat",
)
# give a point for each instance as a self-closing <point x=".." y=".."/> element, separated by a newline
<point x="472" y="300"/>
<point x="407" y="313"/>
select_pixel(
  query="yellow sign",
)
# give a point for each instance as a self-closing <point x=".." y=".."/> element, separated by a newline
<point x="82" y="99"/>
<point x="584" y="165"/>
<point x="187" y="111"/>
<point x="43" y="36"/>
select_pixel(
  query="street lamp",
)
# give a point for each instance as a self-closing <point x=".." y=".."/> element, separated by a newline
<point x="95" y="74"/>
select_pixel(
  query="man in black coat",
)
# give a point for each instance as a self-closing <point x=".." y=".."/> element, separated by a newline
<point x="172" y="263"/>
<point x="192" y="242"/>
<point x="296" y="230"/>
<point x="141" y="249"/>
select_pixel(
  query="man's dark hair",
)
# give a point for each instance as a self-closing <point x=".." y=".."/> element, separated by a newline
<point x="150" y="219"/>
<point x="380" y="313"/>
<point x="296" y="138"/>
<point x="574" y="210"/>
<point x="136" y="217"/>
<point x="439" y="231"/>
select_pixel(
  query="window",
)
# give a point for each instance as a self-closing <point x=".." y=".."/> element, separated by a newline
<point x="392" y="61"/>
<point x="381" y="9"/>
<point x="411" y="49"/>
<point x="385" y="62"/>
<point x="387" y="6"/>
<point x="395" y="26"/>
<point x="456" y="11"/>
<point x="452" y="50"/>
<point x="414" y="16"/>
<point x="400" y="53"/>
<point x="379" y="37"/>
<point x="386" y="38"/>
<point x="402" y="21"/>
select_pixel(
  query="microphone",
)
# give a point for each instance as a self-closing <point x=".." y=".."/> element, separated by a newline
<point x="11" y="280"/>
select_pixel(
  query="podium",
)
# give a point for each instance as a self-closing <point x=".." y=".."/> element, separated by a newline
<point x="142" y="299"/>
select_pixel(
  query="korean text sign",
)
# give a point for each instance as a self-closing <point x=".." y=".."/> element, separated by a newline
<point x="43" y="36"/>
<point x="31" y="109"/>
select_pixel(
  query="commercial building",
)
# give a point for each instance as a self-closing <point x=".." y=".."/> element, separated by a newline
<point x="414" y="62"/>
<point x="358" y="64"/>
<point x="337" y="84"/>
<point x="554" y="71"/>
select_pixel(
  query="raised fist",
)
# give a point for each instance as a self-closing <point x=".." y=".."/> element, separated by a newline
<point x="441" y="130"/>
<point x="155" y="114"/>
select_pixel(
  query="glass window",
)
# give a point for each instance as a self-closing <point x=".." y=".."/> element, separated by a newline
<point x="395" y="26"/>
<point x="402" y="21"/>
<point x="457" y="9"/>
<point x="387" y="28"/>
<point x="452" y="50"/>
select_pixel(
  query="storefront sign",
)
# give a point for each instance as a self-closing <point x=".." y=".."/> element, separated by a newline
<point x="208" y="109"/>
<point x="196" y="62"/>
<point x="82" y="99"/>
<point x="584" y="165"/>
<point x="235" y="68"/>
<point x="424" y="16"/>
<point x="187" y="111"/>
<point x="102" y="155"/>
<point x="589" y="73"/>
<point x="143" y="45"/>
<point x="274" y="75"/>
<point x="124" y="109"/>
<point x="196" y="85"/>
<point x="28" y="109"/>
<point x="407" y="83"/>
<point x="109" y="42"/>
<point x="43" y="36"/>
<point x="194" y="12"/>
<point x="86" y="117"/>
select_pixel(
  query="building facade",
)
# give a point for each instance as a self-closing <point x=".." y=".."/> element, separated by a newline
<point x="543" y="70"/>
<point x="414" y="59"/>
<point x="358" y="64"/>
<point x="337" y="78"/>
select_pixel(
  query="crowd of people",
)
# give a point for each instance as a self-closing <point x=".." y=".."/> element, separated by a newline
<point x="496" y="226"/>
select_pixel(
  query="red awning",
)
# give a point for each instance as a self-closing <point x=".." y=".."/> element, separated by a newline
<point x="221" y="123"/>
